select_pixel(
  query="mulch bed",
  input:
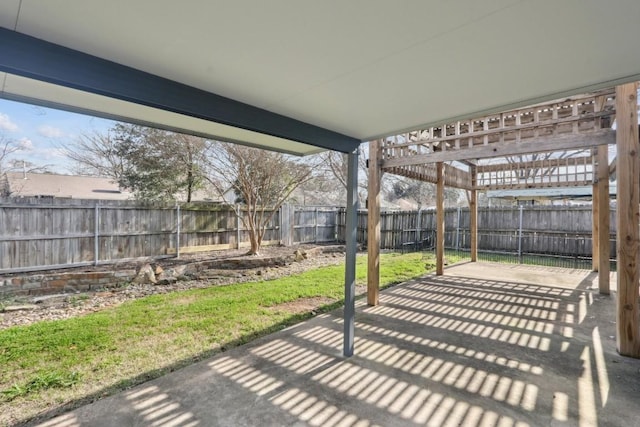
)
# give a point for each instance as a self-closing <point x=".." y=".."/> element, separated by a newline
<point x="25" y="311"/>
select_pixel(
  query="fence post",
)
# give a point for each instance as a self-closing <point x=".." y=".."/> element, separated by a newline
<point x="281" y="224"/>
<point x="287" y="229"/>
<point x="520" y="236"/>
<point x="177" y="230"/>
<point x="96" y="234"/>
<point x="419" y="230"/>
<point x="238" y="222"/>
<point x="458" y="231"/>
<point x="315" y="214"/>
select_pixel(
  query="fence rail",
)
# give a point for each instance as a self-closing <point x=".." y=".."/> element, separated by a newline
<point x="58" y="234"/>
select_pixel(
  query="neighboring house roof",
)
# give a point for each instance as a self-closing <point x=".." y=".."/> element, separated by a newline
<point x="205" y="194"/>
<point x="21" y="184"/>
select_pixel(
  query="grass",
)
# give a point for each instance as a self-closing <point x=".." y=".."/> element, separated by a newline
<point x="46" y="364"/>
<point x="41" y="382"/>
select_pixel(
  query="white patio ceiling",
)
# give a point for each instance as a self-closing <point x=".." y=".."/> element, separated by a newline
<point x="362" y="69"/>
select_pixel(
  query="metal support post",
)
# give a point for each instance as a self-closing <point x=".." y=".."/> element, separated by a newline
<point x="351" y="244"/>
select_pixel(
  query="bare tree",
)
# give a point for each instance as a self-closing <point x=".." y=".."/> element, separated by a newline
<point x="9" y="147"/>
<point x="336" y="164"/>
<point x="261" y="180"/>
<point x="335" y="168"/>
<point x="95" y="153"/>
<point x="541" y="171"/>
<point x="421" y="193"/>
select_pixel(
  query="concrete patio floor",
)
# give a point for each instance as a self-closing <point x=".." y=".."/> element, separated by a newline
<point x="483" y="345"/>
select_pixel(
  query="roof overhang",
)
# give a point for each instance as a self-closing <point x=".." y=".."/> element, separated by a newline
<point x="304" y="76"/>
<point x="44" y="73"/>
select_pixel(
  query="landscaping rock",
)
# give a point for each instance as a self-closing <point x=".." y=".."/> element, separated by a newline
<point x="313" y="252"/>
<point x="171" y="275"/>
<point x="299" y="255"/>
<point x="145" y="275"/>
<point x="166" y="280"/>
<point x="19" y="307"/>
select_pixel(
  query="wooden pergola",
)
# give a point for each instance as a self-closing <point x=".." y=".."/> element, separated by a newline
<point x="555" y="144"/>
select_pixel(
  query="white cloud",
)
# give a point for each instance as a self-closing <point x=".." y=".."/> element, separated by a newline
<point x="25" y="144"/>
<point x="7" y="124"/>
<point x="54" y="153"/>
<point x="46" y="154"/>
<point x="50" y="131"/>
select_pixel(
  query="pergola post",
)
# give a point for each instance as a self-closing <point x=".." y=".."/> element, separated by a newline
<point x="440" y="219"/>
<point x="350" y="236"/>
<point x="603" y="219"/>
<point x="598" y="104"/>
<point x="628" y="235"/>
<point x="595" y="203"/>
<point x="373" y="223"/>
<point x="473" y="217"/>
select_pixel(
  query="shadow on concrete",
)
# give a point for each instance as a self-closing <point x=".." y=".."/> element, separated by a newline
<point x="439" y="351"/>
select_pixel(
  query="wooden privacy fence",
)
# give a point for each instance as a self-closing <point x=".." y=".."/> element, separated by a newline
<point x="60" y="234"/>
<point x="553" y="230"/>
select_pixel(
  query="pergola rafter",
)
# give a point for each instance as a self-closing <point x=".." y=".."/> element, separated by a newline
<point x="453" y="176"/>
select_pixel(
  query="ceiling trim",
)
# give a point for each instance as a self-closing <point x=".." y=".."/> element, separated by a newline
<point x="37" y="59"/>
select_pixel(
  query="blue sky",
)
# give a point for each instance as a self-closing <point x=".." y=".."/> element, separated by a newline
<point x="42" y="132"/>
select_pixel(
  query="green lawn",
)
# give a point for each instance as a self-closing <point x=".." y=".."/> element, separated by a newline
<point x="50" y="363"/>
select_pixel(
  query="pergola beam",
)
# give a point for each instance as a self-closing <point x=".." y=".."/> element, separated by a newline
<point x="536" y="164"/>
<point x="505" y="149"/>
<point x="453" y="176"/>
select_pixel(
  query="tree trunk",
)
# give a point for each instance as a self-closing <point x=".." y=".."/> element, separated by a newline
<point x="254" y="237"/>
<point x="189" y="185"/>
<point x="255" y="245"/>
